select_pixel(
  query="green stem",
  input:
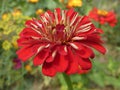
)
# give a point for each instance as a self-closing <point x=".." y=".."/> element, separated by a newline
<point x="99" y="25"/>
<point x="68" y="81"/>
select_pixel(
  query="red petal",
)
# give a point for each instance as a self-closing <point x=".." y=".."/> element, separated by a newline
<point x="22" y="41"/>
<point x="58" y="10"/>
<point x="50" y="58"/>
<point x="28" y="22"/>
<point x="48" y="69"/>
<point x="51" y="14"/>
<point x="62" y="50"/>
<point x="85" y="64"/>
<point x="60" y="63"/>
<point x="73" y="63"/>
<point x="94" y="38"/>
<point x="76" y="45"/>
<point x="83" y="71"/>
<point x="97" y="46"/>
<point x="85" y="52"/>
<point x="25" y="53"/>
<point x="28" y="32"/>
<point x="70" y="12"/>
<point x="40" y="57"/>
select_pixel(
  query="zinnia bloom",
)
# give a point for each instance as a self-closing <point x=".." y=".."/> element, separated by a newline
<point x="103" y="16"/>
<point x="60" y="41"/>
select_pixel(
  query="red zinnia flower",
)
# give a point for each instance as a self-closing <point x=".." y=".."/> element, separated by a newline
<point x="61" y="41"/>
<point x="103" y="16"/>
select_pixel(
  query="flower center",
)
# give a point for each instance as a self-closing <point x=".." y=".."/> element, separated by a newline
<point x="60" y="32"/>
<point x="102" y="12"/>
<point x="60" y="29"/>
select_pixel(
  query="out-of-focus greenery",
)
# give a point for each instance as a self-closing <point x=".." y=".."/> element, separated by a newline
<point x="105" y="74"/>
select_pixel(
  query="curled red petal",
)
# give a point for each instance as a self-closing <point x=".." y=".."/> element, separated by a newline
<point x="61" y="63"/>
<point x="97" y="46"/>
<point x="40" y="57"/>
<point x="73" y="62"/>
<point x="85" y="52"/>
<point x="48" y="69"/>
<point x="85" y="64"/>
<point x="63" y="50"/>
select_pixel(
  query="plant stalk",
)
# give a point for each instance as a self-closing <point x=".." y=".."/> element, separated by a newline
<point x="68" y="81"/>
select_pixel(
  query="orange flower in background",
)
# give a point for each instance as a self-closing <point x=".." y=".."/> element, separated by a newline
<point x="60" y="41"/>
<point x="103" y="16"/>
<point x="28" y="68"/>
<point x="74" y="3"/>
<point x="39" y="11"/>
<point x="33" y="1"/>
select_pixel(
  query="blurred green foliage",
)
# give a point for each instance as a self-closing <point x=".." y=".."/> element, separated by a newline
<point x="105" y="74"/>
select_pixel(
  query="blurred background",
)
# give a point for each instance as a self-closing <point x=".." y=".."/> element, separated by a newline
<point x="15" y="75"/>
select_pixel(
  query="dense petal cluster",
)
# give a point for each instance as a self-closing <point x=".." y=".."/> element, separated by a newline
<point x="103" y="16"/>
<point x="60" y="41"/>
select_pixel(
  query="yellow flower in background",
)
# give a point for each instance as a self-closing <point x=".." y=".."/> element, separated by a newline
<point x="14" y="41"/>
<point x="102" y="12"/>
<point x="16" y="12"/>
<point x="4" y="16"/>
<point x="7" y="32"/>
<point x="6" y="45"/>
<point x="74" y="3"/>
<point x="39" y="11"/>
<point x="33" y="1"/>
<point x="28" y="68"/>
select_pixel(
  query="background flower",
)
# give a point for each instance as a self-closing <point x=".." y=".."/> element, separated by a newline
<point x="17" y="63"/>
<point x="74" y="3"/>
<point x="103" y="16"/>
<point x="39" y="11"/>
<point x="6" y="45"/>
<point x="33" y="1"/>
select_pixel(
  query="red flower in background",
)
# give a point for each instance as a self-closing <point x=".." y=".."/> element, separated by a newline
<point x="61" y="41"/>
<point x="103" y="16"/>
